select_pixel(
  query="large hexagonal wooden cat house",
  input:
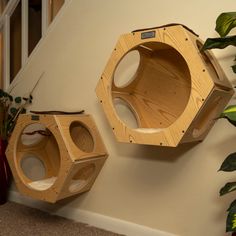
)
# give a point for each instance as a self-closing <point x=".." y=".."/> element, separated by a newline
<point x="172" y="90"/>
<point x="55" y="156"/>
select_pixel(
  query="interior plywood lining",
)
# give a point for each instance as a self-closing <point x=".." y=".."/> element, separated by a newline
<point x="160" y="86"/>
<point x="31" y="134"/>
<point x="82" y="177"/>
<point x="126" y="113"/>
<point x="81" y="137"/>
<point x="208" y="117"/>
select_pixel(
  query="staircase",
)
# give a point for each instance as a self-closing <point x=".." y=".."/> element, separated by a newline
<point x="23" y="23"/>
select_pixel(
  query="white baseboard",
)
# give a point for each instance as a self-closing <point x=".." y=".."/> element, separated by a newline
<point x="100" y="221"/>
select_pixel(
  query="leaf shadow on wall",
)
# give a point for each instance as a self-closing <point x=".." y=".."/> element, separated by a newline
<point x="225" y="146"/>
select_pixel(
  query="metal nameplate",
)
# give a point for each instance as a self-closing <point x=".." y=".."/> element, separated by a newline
<point x="148" y="34"/>
<point x="34" y="117"/>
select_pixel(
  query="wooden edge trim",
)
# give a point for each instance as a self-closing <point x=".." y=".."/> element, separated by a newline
<point x="167" y="25"/>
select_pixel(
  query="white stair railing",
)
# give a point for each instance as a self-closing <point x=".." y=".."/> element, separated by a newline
<point x="10" y="48"/>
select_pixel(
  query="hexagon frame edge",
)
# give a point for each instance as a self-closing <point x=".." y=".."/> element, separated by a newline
<point x="203" y="86"/>
<point x="61" y="187"/>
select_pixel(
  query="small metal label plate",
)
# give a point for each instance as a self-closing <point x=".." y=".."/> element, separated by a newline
<point x="34" y="117"/>
<point x="148" y="34"/>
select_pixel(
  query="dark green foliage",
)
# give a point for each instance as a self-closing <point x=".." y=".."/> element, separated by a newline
<point x="234" y="68"/>
<point x="232" y="206"/>
<point x="231" y="222"/>
<point x="230" y="114"/>
<point x="225" y="22"/>
<point x="10" y="108"/>
<point x="219" y="43"/>
<point x="18" y="100"/>
<point x="229" y="187"/>
<point x="13" y="111"/>
<point x="229" y="164"/>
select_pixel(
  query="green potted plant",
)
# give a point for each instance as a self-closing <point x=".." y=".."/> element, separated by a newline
<point x="224" y="24"/>
<point x="10" y="108"/>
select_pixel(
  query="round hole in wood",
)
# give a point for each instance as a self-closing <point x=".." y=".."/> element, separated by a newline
<point x="126" y="70"/>
<point x="38" y="165"/>
<point x="209" y="62"/>
<point x="33" y="167"/>
<point x="82" y="177"/>
<point x="32" y="134"/>
<point x="207" y="118"/>
<point x="161" y="87"/>
<point x="125" y="113"/>
<point x="81" y="137"/>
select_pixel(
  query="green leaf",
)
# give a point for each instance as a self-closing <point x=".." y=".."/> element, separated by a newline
<point x="23" y="111"/>
<point x="1" y="93"/>
<point x="229" y="187"/>
<point x="10" y="97"/>
<point x="18" y="100"/>
<point x="5" y="94"/>
<point x="229" y="164"/>
<point x="230" y="114"/>
<point x="225" y="22"/>
<point x="230" y="108"/>
<point x="231" y="222"/>
<point x="219" y="43"/>
<point x="234" y="68"/>
<point x="13" y="110"/>
<point x="232" y="206"/>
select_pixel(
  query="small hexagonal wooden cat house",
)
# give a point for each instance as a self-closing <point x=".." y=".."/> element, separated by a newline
<point x="172" y="90"/>
<point x="55" y="156"/>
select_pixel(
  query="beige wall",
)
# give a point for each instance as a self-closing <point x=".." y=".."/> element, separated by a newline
<point x="171" y="189"/>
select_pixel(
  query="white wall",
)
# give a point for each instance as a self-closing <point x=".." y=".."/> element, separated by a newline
<point x="171" y="189"/>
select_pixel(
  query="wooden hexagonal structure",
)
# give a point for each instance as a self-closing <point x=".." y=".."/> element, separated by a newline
<point x="70" y="149"/>
<point x="176" y="93"/>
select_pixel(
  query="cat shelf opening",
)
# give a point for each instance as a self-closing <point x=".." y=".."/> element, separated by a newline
<point x="158" y="83"/>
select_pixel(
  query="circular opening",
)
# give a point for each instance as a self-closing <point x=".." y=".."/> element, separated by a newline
<point x="82" y="178"/>
<point x="33" y="167"/>
<point x="207" y="118"/>
<point x="81" y="137"/>
<point x="127" y="69"/>
<point x="38" y="162"/>
<point x="125" y="112"/>
<point x="160" y="88"/>
<point x="208" y="60"/>
<point x="32" y="134"/>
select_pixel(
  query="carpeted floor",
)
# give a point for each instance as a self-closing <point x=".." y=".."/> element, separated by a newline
<point x="19" y="220"/>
